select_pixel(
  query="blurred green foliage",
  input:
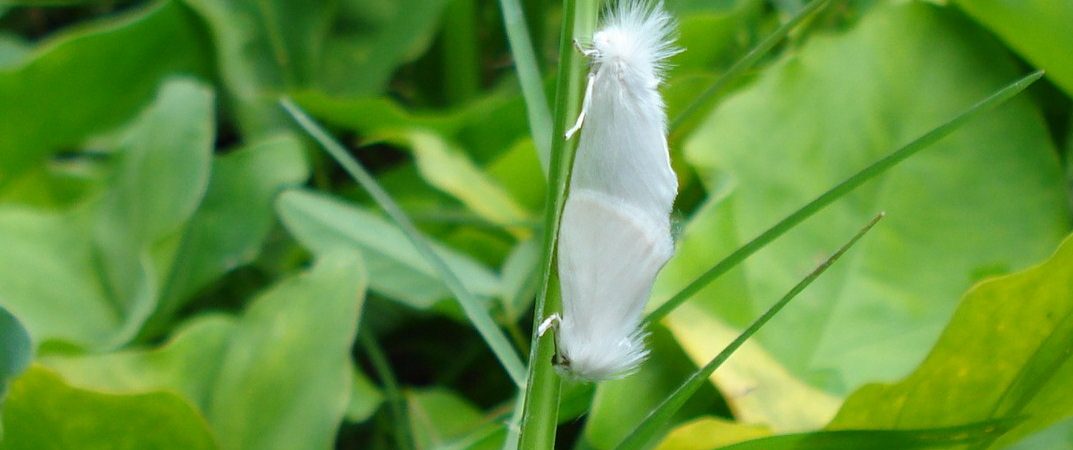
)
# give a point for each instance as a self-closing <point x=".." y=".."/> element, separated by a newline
<point x="179" y="268"/>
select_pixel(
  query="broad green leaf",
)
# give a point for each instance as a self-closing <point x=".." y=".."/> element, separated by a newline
<point x="708" y="432"/>
<point x="620" y="405"/>
<point x="924" y="438"/>
<point x="1037" y="29"/>
<point x="440" y="419"/>
<point x="395" y="268"/>
<point x="1005" y="353"/>
<point x="47" y="276"/>
<point x="986" y="199"/>
<point x="43" y="412"/>
<point x="277" y="376"/>
<point x="284" y="380"/>
<point x="162" y="172"/>
<point x="234" y="218"/>
<point x="186" y="364"/>
<point x="63" y="91"/>
<point x="88" y="275"/>
<point x="447" y="168"/>
<point x="365" y="397"/>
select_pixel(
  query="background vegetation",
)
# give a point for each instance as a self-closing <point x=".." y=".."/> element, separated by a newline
<point x="181" y="266"/>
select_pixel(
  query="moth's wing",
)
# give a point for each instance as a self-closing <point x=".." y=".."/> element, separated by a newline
<point x="609" y="255"/>
<point x="623" y="146"/>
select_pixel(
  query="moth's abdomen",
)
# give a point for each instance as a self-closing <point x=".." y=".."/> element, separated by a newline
<point x="609" y="255"/>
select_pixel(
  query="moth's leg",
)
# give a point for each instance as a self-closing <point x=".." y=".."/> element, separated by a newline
<point x="552" y="321"/>
<point x="584" y="107"/>
<point x="586" y="50"/>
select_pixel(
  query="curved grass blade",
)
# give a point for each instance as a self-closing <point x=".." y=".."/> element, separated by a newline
<point x="882" y="439"/>
<point x="648" y="429"/>
<point x="540" y="413"/>
<point x="476" y="313"/>
<point x="846" y="186"/>
<point x="536" y="104"/>
<point x="747" y="61"/>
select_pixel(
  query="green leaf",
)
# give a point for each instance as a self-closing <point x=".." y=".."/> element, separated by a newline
<point x="43" y="412"/>
<point x="708" y="433"/>
<point x="1005" y="353"/>
<point x="396" y="269"/>
<point x="187" y="364"/>
<point x="661" y="414"/>
<point x="987" y="198"/>
<point x="162" y="173"/>
<point x="471" y="305"/>
<point x="47" y="277"/>
<point x="278" y="376"/>
<point x="285" y="378"/>
<point x="234" y="218"/>
<point x="88" y="275"/>
<point x="365" y="397"/>
<point x="448" y="169"/>
<point x="439" y="418"/>
<point x="926" y="438"/>
<point x="1037" y="29"/>
<point x="485" y="126"/>
<point x="141" y="49"/>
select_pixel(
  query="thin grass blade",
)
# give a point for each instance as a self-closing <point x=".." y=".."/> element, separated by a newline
<point x="536" y="103"/>
<point x="747" y="62"/>
<point x="846" y="186"/>
<point x="646" y="432"/>
<point x="473" y="309"/>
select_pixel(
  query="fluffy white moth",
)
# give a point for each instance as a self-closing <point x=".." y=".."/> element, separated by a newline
<point x="615" y="233"/>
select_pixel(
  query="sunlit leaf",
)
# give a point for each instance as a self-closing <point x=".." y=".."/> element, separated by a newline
<point x="43" y="412"/>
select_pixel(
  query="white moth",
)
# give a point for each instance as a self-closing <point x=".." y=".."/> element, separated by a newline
<point x="615" y="232"/>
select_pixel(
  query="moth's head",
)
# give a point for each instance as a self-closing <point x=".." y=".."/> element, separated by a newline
<point x="613" y="45"/>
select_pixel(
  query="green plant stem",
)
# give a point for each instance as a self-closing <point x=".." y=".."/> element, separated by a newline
<point x="540" y="412"/>
<point x="460" y="51"/>
<point x="471" y="306"/>
<point x="749" y="60"/>
<point x="396" y="403"/>
<point x="536" y="102"/>
<point x="846" y="186"/>
<point x="643" y="434"/>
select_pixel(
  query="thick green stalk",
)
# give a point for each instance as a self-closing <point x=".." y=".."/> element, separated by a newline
<point x="846" y="186"/>
<point x="541" y="409"/>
